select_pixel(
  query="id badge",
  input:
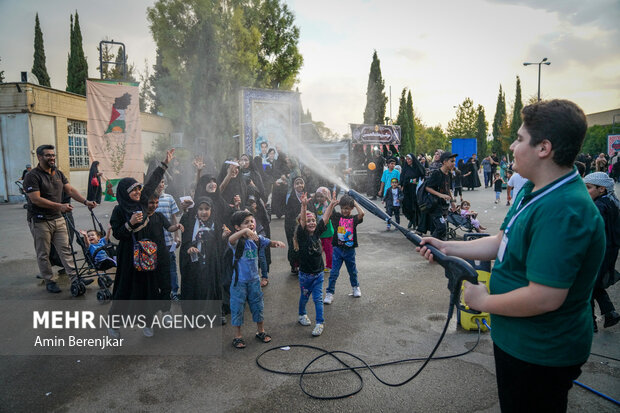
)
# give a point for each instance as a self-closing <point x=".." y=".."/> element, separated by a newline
<point x="502" y="248"/>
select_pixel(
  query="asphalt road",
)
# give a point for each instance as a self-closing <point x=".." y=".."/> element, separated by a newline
<point x="400" y="315"/>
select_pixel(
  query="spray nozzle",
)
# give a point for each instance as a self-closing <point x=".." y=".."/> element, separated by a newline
<point x="456" y="269"/>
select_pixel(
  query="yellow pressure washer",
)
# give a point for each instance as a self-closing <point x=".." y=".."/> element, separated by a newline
<point x="483" y="268"/>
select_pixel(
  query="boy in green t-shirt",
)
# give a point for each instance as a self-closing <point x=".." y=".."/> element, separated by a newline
<point x="547" y="254"/>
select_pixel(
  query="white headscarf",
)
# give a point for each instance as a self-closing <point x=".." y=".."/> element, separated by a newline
<point x="602" y="179"/>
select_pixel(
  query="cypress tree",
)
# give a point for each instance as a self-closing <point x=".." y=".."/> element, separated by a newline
<point x="403" y="120"/>
<point x="376" y="99"/>
<point x="77" y="70"/>
<point x="411" y="118"/>
<point x="516" y="114"/>
<point x="38" y="66"/>
<point x="499" y="121"/>
<point x="481" y="132"/>
<point x="70" y="57"/>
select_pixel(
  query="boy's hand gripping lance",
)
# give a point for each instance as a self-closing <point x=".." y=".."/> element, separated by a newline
<point x="456" y="269"/>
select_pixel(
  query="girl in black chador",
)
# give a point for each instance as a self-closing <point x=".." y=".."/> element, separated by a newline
<point x="200" y="257"/>
<point x="207" y="187"/>
<point x="94" y="183"/>
<point x="130" y="223"/>
<point x="411" y="172"/>
<point x="232" y="184"/>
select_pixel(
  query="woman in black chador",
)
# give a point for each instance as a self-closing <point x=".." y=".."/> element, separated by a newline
<point x="130" y="223"/>
<point x="94" y="183"/>
<point x="412" y="171"/>
<point x="200" y="257"/>
<point x="471" y="179"/>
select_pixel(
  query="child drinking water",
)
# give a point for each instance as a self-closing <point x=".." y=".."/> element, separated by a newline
<point x="245" y="286"/>
<point x="344" y="243"/>
<point x="307" y="243"/>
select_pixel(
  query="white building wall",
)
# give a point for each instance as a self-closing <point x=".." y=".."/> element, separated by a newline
<point x="14" y="153"/>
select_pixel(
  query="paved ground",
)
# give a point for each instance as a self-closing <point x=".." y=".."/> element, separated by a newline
<point x="400" y="315"/>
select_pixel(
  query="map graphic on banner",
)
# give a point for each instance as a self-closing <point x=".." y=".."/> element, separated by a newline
<point x="117" y="119"/>
<point x="113" y="128"/>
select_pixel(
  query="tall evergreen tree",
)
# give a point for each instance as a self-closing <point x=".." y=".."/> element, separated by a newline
<point x="516" y="113"/>
<point x="77" y="70"/>
<point x="38" y="67"/>
<point x="158" y="80"/>
<point x="499" y="121"/>
<point x="411" y="118"/>
<point x="482" y="128"/>
<point x="376" y="99"/>
<point x="403" y="120"/>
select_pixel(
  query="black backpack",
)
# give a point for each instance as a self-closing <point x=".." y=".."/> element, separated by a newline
<point x="426" y="200"/>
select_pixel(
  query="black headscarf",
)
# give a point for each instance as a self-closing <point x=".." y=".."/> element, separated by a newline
<point x="217" y="202"/>
<point x="414" y="171"/>
<point x="94" y="170"/>
<point x="128" y="205"/>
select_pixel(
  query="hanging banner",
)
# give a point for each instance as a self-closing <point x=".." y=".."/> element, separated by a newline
<point x="375" y="134"/>
<point x="113" y="128"/>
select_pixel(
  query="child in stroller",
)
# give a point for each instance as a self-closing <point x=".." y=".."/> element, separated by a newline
<point x="462" y="218"/>
<point x="97" y="248"/>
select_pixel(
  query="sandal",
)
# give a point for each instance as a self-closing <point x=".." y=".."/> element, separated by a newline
<point x="264" y="337"/>
<point x="264" y="282"/>
<point x="238" y="343"/>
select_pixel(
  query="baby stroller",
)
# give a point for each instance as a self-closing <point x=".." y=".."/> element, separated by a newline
<point x="20" y="186"/>
<point x="458" y="222"/>
<point x="86" y="267"/>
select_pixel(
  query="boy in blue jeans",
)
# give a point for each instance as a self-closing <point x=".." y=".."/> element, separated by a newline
<point x="344" y="243"/>
<point x="245" y="285"/>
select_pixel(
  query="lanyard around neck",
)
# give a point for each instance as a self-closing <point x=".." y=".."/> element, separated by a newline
<point x="537" y="197"/>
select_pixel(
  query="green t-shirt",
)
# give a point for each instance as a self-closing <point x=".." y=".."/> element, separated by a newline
<point x="558" y="241"/>
<point x="320" y="210"/>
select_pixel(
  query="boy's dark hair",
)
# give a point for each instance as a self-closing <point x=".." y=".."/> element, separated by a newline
<point x="562" y="123"/>
<point x="238" y="217"/>
<point x="346" y="201"/>
<point x="264" y="143"/>
<point x="581" y="167"/>
<point x="45" y="147"/>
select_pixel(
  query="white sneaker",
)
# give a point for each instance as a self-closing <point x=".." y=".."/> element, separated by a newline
<point x="318" y="330"/>
<point x="304" y="320"/>
<point x="356" y="292"/>
<point x="147" y="331"/>
<point x="329" y="297"/>
<point x="114" y="333"/>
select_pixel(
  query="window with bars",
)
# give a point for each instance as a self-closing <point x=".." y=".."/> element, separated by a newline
<point x="78" y="144"/>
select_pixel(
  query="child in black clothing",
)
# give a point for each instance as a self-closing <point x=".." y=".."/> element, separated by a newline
<point x="497" y="184"/>
<point x="393" y="200"/>
<point x="307" y="242"/>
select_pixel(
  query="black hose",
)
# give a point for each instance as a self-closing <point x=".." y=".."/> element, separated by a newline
<point x="364" y="364"/>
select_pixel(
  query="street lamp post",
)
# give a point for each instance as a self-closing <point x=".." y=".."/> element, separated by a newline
<point x="542" y="62"/>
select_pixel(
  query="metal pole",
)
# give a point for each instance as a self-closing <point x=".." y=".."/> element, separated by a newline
<point x="539" y="64"/>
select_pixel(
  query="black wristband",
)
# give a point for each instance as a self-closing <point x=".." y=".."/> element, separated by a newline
<point x="85" y="201"/>
<point x="165" y="165"/>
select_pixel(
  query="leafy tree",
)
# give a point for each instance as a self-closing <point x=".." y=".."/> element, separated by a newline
<point x="482" y="128"/>
<point x="116" y="71"/>
<point x="38" y="67"/>
<point x="1" y="75"/>
<point x="406" y="121"/>
<point x="376" y="99"/>
<point x="77" y="66"/>
<point x="208" y="50"/>
<point x="499" y="122"/>
<point x="464" y="125"/>
<point x="595" y="141"/>
<point x="516" y="114"/>
<point x="429" y="139"/>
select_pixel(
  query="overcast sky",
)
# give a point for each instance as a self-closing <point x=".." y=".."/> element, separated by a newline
<point x="444" y="51"/>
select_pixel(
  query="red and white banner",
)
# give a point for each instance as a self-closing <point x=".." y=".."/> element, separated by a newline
<point x="113" y="129"/>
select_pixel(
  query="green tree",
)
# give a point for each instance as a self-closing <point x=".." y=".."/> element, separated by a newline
<point x="499" y="122"/>
<point x="515" y="124"/>
<point x="595" y="141"/>
<point x="279" y="59"/>
<point x="482" y="128"/>
<point x="77" y="66"/>
<point x="411" y="118"/>
<point x="464" y="125"/>
<point x="207" y="51"/>
<point x="38" y="66"/>
<point x="376" y="99"/>
<point x="116" y="72"/>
